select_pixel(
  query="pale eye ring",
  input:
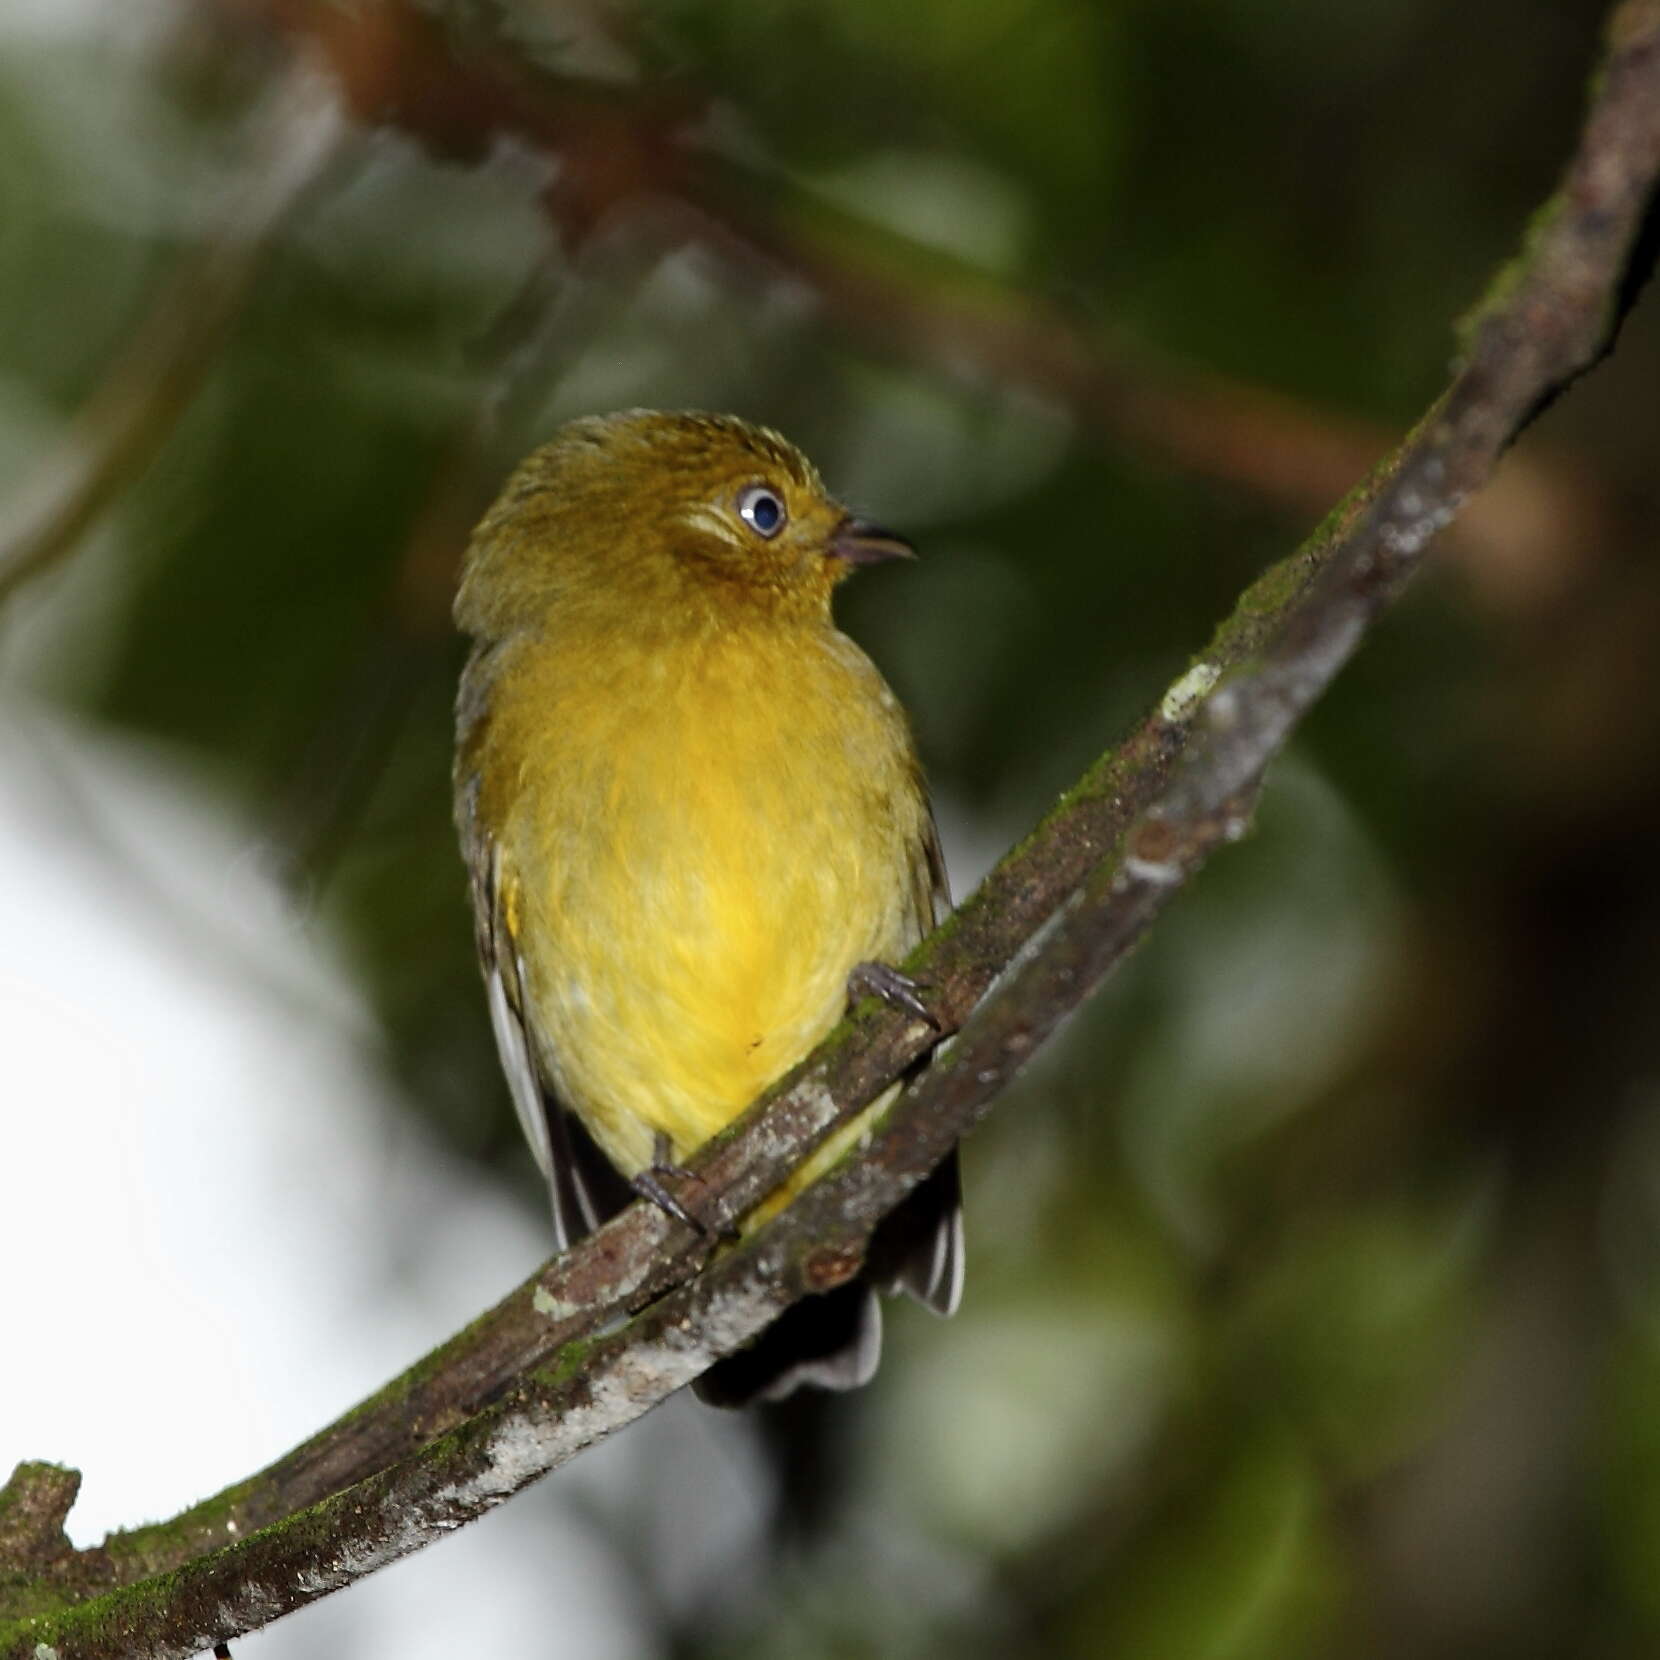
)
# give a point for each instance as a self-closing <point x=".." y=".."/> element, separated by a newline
<point x="762" y="509"/>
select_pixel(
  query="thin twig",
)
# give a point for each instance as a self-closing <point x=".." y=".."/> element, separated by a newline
<point x="300" y="129"/>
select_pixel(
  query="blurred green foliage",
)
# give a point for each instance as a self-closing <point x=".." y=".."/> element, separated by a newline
<point x="1319" y="1192"/>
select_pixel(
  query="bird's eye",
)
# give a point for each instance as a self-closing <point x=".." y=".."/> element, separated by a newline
<point x="762" y="510"/>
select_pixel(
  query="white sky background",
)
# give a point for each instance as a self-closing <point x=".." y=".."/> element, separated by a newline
<point x="229" y="1233"/>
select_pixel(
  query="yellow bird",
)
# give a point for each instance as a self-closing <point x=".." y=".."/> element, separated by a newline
<point x="693" y="818"/>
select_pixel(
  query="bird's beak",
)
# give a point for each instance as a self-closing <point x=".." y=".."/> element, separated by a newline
<point x="859" y="543"/>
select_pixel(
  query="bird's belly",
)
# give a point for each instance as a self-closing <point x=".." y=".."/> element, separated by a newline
<point x="701" y="946"/>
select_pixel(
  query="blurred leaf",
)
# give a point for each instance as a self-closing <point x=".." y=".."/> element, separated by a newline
<point x="1354" y="1330"/>
<point x="1250" y="1572"/>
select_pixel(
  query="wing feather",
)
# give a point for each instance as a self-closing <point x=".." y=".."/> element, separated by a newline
<point x="924" y="1236"/>
<point x="582" y="1189"/>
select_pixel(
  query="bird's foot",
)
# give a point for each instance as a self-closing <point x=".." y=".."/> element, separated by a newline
<point x="649" y="1184"/>
<point x="652" y="1183"/>
<point x="898" y="990"/>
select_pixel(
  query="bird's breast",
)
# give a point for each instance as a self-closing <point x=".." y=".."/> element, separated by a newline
<point x="707" y="841"/>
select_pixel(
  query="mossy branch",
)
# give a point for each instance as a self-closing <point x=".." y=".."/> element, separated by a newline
<point x="530" y="1384"/>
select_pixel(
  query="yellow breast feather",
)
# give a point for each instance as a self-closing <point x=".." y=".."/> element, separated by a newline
<point x="704" y="843"/>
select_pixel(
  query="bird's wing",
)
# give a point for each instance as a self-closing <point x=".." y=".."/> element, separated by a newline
<point x="939" y="882"/>
<point x="582" y="1187"/>
<point x="923" y="1238"/>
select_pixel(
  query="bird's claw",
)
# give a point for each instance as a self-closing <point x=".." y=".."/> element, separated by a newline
<point x="900" y="991"/>
<point x="651" y="1184"/>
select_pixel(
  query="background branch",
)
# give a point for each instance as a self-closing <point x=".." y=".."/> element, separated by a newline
<point x="298" y="131"/>
<point x="639" y="156"/>
<point x="529" y="1385"/>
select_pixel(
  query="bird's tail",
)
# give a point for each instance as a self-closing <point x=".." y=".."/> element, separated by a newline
<point x="834" y="1341"/>
<point x="831" y="1341"/>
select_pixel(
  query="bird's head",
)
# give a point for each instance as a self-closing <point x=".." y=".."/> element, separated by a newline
<point x="654" y="509"/>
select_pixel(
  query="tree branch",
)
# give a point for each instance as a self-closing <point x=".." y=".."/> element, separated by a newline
<point x="530" y="1383"/>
